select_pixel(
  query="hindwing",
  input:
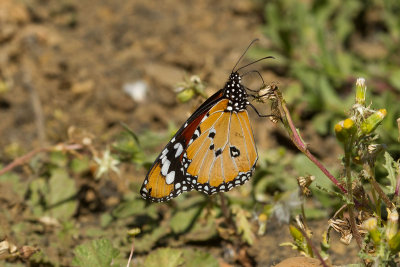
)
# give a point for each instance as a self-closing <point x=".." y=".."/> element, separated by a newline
<point x="166" y="177"/>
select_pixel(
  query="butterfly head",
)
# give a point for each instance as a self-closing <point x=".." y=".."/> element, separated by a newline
<point x="235" y="93"/>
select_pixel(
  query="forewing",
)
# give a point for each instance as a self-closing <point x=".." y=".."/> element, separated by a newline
<point x="224" y="154"/>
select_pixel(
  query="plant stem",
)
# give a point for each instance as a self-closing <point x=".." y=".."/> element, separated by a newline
<point x="225" y="210"/>
<point x="382" y="194"/>
<point x="396" y="192"/>
<point x="375" y="185"/>
<point x="298" y="141"/>
<point x="23" y="159"/>
<point x="350" y="199"/>
<point x="131" y="254"/>
<point x="314" y="249"/>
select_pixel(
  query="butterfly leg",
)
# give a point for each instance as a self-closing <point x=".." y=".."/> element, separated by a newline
<point x="253" y="71"/>
<point x="264" y="116"/>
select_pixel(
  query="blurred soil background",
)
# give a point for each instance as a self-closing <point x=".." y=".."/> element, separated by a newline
<point x="63" y="69"/>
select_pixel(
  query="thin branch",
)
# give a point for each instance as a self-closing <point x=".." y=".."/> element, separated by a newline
<point x="298" y="141"/>
<point x="314" y="249"/>
<point x="377" y="188"/>
<point x="225" y="210"/>
<point x="36" y="106"/>
<point x="23" y="159"/>
<point x="132" y="250"/>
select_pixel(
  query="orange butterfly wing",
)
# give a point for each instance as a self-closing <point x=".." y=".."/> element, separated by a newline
<point x="166" y="178"/>
<point x="224" y="155"/>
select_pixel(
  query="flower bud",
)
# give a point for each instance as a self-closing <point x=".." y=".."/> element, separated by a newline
<point x="392" y="224"/>
<point x="344" y="129"/>
<point x="371" y="225"/>
<point x="296" y="233"/>
<point x="185" y="95"/>
<point x="262" y="222"/>
<point x="361" y="88"/>
<point x="134" y="231"/>
<point x="370" y="124"/>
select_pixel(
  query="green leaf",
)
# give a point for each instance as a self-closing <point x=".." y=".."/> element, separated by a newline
<point x="79" y="165"/>
<point x="131" y="133"/>
<point x="15" y="187"/>
<point x="199" y="258"/>
<point x="134" y="207"/>
<point x="166" y="257"/>
<point x="170" y="257"/>
<point x="147" y="241"/>
<point x="97" y="253"/>
<point x="37" y="189"/>
<point x="58" y="158"/>
<point x="203" y="230"/>
<point x="60" y="200"/>
<point x="242" y="223"/>
<point x="394" y="78"/>
<point x="391" y="166"/>
<point x="183" y="220"/>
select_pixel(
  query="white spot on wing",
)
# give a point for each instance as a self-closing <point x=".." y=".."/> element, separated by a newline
<point x="177" y="186"/>
<point x="170" y="177"/>
<point x="165" y="167"/>
<point x="179" y="149"/>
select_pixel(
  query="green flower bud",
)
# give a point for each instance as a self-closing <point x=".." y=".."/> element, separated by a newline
<point x="134" y="231"/>
<point x="361" y="88"/>
<point x="371" y="225"/>
<point x="392" y="224"/>
<point x="185" y="95"/>
<point x="296" y="233"/>
<point x="370" y="124"/>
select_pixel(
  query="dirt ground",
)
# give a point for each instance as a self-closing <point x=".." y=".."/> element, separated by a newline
<point x="64" y="63"/>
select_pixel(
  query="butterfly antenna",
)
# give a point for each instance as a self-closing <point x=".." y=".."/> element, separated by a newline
<point x="251" y="63"/>
<point x="253" y="71"/>
<point x="252" y="42"/>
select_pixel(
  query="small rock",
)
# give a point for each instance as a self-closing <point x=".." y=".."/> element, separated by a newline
<point x="82" y="87"/>
<point x="136" y="90"/>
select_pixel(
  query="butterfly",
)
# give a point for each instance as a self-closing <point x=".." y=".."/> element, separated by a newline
<point x="213" y="151"/>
